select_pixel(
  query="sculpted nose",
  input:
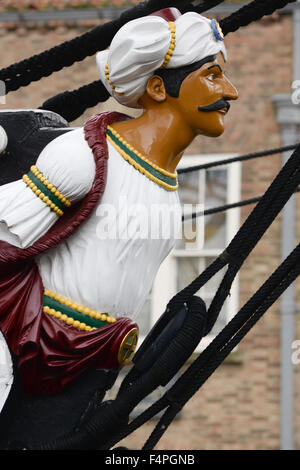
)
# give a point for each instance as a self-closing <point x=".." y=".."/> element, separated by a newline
<point x="230" y="92"/>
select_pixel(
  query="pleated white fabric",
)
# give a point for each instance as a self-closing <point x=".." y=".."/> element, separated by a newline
<point x="110" y="263"/>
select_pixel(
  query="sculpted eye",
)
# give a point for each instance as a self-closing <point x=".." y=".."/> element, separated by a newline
<point x="211" y="77"/>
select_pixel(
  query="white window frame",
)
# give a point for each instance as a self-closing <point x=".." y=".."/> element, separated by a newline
<point x="164" y="287"/>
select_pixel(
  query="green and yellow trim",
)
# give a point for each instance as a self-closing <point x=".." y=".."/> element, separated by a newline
<point x="160" y="176"/>
<point x="46" y="191"/>
<point x="71" y="313"/>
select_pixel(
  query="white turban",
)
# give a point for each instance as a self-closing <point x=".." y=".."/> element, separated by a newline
<point x="139" y="48"/>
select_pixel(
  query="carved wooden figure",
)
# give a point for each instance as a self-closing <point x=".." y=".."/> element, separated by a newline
<point x="73" y="277"/>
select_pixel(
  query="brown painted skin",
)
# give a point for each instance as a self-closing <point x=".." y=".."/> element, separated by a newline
<point x="169" y="125"/>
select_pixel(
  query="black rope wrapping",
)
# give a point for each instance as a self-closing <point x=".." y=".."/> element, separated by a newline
<point x="225" y="342"/>
<point x="72" y="104"/>
<point x="208" y="361"/>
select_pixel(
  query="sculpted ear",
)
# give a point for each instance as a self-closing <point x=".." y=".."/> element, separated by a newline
<point x="156" y="89"/>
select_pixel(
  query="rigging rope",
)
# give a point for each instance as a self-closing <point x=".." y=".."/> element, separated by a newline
<point x="248" y="235"/>
<point x="208" y="361"/>
<point x="225" y="342"/>
<point x="225" y="207"/>
<point x="240" y="158"/>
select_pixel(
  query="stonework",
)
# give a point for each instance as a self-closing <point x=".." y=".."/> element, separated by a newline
<point x="239" y="406"/>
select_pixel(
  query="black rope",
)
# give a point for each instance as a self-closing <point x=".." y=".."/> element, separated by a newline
<point x="94" y="433"/>
<point x="225" y="207"/>
<point x="254" y="11"/>
<point x="191" y="381"/>
<point x="205" y="5"/>
<point x="72" y="104"/>
<point x="241" y="158"/>
<point x="214" y="354"/>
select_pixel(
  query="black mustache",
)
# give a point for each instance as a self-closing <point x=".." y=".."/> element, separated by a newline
<point x="216" y="106"/>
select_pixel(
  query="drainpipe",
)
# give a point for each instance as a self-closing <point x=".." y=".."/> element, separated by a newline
<point x="288" y="116"/>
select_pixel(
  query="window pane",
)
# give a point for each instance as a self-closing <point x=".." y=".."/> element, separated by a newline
<point x="215" y="196"/>
<point x="222" y="319"/>
<point x="188" y="187"/>
<point x="187" y="270"/>
<point x="212" y="285"/>
<point x="210" y="290"/>
<point x="189" y="195"/>
<point x="144" y="318"/>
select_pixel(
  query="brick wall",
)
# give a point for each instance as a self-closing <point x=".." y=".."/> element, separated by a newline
<point x="238" y="408"/>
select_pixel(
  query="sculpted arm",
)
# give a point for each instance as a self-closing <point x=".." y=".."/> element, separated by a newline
<point x="63" y="175"/>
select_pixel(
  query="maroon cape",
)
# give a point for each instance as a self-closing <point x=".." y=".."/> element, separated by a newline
<point x="52" y="354"/>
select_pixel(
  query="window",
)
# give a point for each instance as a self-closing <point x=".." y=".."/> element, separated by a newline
<point x="212" y="187"/>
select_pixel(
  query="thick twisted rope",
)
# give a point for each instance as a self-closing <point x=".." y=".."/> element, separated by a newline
<point x="224" y="343"/>
<point x="202" y="368"/>
<point x="77" y="49"/>
<point x="251" y="12"/>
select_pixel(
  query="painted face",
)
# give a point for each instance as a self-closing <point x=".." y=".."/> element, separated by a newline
<point x="204" y="98"/>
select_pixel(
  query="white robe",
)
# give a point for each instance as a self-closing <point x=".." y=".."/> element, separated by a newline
<point x="110" y="263"/>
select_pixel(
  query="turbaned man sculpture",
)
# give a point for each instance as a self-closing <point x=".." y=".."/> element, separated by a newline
<point x="68" y="299"/>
